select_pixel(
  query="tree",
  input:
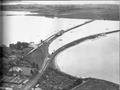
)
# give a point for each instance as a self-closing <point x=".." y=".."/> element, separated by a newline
<point x="51" y="57"/>
<point x="19" y="45"/>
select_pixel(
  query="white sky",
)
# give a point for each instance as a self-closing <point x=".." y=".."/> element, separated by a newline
<point x="102" y="55"/>
<point x="64" y="2"/>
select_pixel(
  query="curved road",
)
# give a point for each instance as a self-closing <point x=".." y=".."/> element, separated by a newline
<point x="51" y="57"/>
<point x="82" y="40"/>
<point x="30" y="84"/>
<point x="50" y="39"/>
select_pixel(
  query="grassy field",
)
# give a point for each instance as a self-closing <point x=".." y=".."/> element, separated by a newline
<point x="96" y="11"/>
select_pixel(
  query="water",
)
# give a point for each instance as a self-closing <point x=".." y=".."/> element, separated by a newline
<point x="96" y="58"/>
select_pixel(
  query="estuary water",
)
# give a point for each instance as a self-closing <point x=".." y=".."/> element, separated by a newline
<point x="97" y="58"/>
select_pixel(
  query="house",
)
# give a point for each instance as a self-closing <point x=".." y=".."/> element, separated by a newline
<point x="20" y="70"/>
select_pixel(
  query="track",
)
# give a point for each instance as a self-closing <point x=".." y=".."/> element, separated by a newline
<point x="51" y="57"/>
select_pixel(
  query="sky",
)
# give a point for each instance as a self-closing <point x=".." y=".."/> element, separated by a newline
<point x="95" y="58"/>
<point x="64" y="2"/>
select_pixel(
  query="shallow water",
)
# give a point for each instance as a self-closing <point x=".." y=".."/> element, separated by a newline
<point x="95" y="58"/>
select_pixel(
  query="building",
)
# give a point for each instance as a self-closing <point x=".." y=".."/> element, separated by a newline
<point x="27" y="71"/>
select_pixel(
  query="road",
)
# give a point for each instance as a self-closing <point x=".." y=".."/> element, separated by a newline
<point x="51" y="57"/>
<point x="30" y="84"/>
<point x="50" y="39"/>
<point x="73" y="43"/>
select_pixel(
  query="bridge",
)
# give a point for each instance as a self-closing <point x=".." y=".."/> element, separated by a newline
<point x="48" y="59"/>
